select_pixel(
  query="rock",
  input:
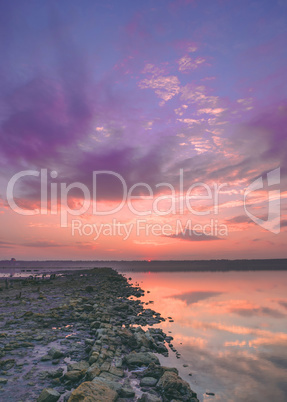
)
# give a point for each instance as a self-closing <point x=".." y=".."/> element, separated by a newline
<point x="109" y="376"/>
<point x="100" y="332"/>
<point x="116" y="386"/>
<point x="82" y="365"/>
<point x="95" y="324"/>
<point x="56" y="382"/>
<point x="67" y="396"/>
<point x="127" y="337"/>
<point x="161" y="348"/>
<point x="45" y="358"/>
<point x="118" y="362"/>
<point x="88" y="307"/>
<point x="27" y="314"/>
<point x="171" y="386"/>
<point x="74" y="375"/>
<point x="156" y="371"/>
<point x="142" y="340"/>
<point x="140" y="359"/>
<point x="56" y="373"/>
<point x="7" y="364"/>
<point x="106" y="366"/>
<point x="148" y="382"/>
<point x="146" y="397"/>
<point x="93" y="372"/>
<point x="3" y="380"/>
<point x="55" y="353"/>
<point x="48" y="395"/>
<point x="89" y="341"/>
<point x="116" y="371"/>
<point x="93" y="358"/>
<point x="89" y="391"/>
<point x="127" y="392"/>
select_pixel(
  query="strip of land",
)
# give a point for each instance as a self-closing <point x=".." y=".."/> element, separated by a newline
<point x="152" y="265"/>
<point x="83" y="336"/>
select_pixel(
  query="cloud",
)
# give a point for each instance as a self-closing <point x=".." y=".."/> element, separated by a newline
<point x="152" y="69"/>
<point x="214" y="112"/>
<point x="48" y="112"/>
<point x="190" y="122"/>
<point x="134" y="164"/>
<point x="267" y="133"/>
<point x="38" y="244"/>
<point x="280" y="362"/>
<point x="44" y="244"/>
<point x="194" y="236"/>
<point x="283" y="303"/>
<point x="235" y="343"/>
<point x="283" y="223"/>
<point x="5" y="244"/>
<point x="69" y="117"/>
<point x="186" y="63"/>
<point x="166" y="87"/>
<point x="239" y="219"/>
<point x="198" y="94"/>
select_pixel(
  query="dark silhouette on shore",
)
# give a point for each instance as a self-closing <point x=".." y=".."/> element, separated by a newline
<point x="157" y="265"/>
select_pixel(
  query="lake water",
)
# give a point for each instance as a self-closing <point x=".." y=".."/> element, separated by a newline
<point x="230" y="329"/>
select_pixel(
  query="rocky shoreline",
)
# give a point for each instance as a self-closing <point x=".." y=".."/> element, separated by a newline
<point x="83" y="336"/>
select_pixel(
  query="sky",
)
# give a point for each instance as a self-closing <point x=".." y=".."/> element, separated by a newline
<point x="143" y="129"/>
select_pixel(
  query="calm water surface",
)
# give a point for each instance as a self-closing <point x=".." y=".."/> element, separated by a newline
<point x="230" y="329"/>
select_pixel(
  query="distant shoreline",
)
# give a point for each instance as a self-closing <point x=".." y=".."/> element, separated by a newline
<point x="155" y="265"/>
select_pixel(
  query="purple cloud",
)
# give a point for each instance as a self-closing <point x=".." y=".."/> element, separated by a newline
<point x="44" y="244"/>
<point x="239" y="219"/>
<point x="77" y="96"/>
<point x="5" y="244"/>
